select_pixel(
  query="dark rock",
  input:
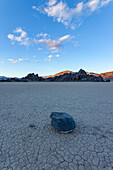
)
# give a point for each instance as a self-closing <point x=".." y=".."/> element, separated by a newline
<point x="62" y="122"/>
<point x="32" y="77"/>
<point x="82" y="72"/>
<point x="32" y="126"/>
<point x="100" y="79"/>
<point x="107" y="80"/>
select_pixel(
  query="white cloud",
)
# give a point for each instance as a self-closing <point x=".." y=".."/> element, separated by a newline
<point x="70" y="16"/>
<point x="93" y="5"/>
<point x="50" y="57"/>
<point x="52" y="2"/>
<point x="42" y="35"/>
<point x="53" y="44"/>
<point x="17" y="61"/>
<point x="79" y="8"/>
<point x="34" y="7"/>
<point x="13" y="61"/>
<point x="66" y="37"/>
<point x="41" y="38"/>
<point x="105" y="2"/>
<point x="20" y="59"/>
<point x="34" y="56"/>
<point x="58" y="55"/>
<point x="39" y="9"/>
<point x="11" y="37"/>
<point x="22" y="38"/>
<point x="61" y="11"/>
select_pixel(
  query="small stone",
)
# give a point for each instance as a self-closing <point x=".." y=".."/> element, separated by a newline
<point x="62" y="122"/>
<point x="32" y="126"/>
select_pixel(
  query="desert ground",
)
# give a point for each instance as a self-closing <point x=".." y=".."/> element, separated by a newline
<point x="89" y="146"/>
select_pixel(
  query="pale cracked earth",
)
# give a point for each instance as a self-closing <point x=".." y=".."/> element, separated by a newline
<point x="89" y="147"/>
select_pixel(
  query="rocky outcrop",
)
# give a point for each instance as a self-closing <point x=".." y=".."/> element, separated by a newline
<point x="32" y="77"/>
<point x="76" y="76"/>
<point x="106" y="76"/>
<point x="66" y="76"/>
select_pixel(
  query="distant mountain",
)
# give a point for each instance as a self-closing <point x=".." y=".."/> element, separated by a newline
<point x="67" y="71"/>
<point x="105" y="76"/>
<point x="3" y="78"/>
<point x="67" y="75"/>
<point x="91" y="73"/>
<point x="57" y="74"/>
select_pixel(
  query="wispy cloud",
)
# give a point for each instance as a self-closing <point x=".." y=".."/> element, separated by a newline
<point x="20" y="59"/>
<point x="58" y="55"/>
<point x="13" y="61"/>
<point x="53" y="44"/>
<point x="93" y="5"/>
<point x="52" y="2"/>
<point x="42" y="35"/>
<point x="17" y="61"/>
<point x="41" y="38"/>
<point x="70" y="16"/>
<point x="50" y="57"/>
<point x="22" y="38"/>
<point x="66" y="37"/>
<point x="105" y="2"/>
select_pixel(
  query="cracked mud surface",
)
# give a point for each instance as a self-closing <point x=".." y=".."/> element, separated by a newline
<point x="27" y="140"/>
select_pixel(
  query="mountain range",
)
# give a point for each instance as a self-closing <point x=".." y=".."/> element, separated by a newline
<point x="3" y="78"/>
<point x="105" y="76"/>
<point x="61" y="76"/>
<point x="7" y="78"/>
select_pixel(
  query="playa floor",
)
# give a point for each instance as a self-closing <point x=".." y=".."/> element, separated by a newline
<point x="89" y="147"/>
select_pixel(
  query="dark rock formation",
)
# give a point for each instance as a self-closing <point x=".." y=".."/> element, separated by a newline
<point x="32" y="77"/>
<point x="106" y="76"/>
<point x="62" y="122"/>
<point x="107" y="80"/>
<point x="76" y="76"/>
<point x="68" y="76"/>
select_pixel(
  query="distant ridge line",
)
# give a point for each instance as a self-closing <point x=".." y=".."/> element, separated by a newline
<point x="106" y="75"/>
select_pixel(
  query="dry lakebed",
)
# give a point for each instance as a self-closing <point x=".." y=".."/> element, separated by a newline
<point x="27" y="140"/>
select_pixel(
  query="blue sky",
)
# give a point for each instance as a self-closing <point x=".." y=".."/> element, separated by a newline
<point x="47" y="37"/>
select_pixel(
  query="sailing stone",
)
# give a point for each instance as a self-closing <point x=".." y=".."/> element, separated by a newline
<point x="62" y="122"/>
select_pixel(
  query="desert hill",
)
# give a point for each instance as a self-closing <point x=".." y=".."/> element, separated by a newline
<point x="105" y="76"/>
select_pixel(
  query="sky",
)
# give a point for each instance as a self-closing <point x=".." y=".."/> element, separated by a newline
<point x="47" y="37"/>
